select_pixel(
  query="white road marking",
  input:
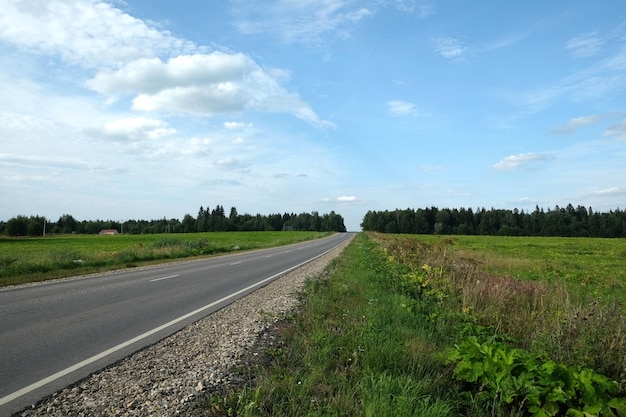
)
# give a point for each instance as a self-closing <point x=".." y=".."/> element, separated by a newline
<point x="162" y="278"/>
<point x="75" y="367"/>
<point x="236" y="263"/>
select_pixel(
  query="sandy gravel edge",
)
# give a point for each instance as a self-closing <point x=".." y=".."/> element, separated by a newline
<point x="165" y="378"/>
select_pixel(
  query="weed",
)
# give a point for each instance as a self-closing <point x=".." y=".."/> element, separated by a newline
<point x="513" y="378"/>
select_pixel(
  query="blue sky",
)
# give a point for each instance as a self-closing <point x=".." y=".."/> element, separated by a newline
<point x="143" y="109"/>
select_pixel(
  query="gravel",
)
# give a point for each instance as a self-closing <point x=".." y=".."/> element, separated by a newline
<point x="166" y="378"/>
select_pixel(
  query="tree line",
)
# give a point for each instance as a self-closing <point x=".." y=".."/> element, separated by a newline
<point x="568" y="221"/>
<point x="207" y="220"/>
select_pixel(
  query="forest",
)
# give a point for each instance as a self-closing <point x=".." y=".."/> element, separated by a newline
<point x="566" y="222"/>
<point x="207" y="220"/>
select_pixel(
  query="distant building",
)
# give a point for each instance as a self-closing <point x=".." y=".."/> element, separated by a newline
<point x="108" y="232"/>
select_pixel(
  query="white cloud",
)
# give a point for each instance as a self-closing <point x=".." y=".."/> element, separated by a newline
<point x="306" y="21"/>
<point x="197" y="147"/>
<point x="236" y="125"/>
<point x="601" y="78"/>
<point x="40" y="161"/>
<point x="347" y="199"/>
<point x="126" y="53"/>
<point x="202" y="84"/>
<point x="151" y="75"/>
<point x="520" y="160"/>
<point x="578" y="122"/>
<point x="399" y="108"/>
<point x="448" y="47"/>
<point x="611" y="191"/>
<point x="89" y="33"/>
<point x="232" y="163"/>
<point x="580" y="87"/>
<point x="585" y="45"/>
<point x="618" y="131"/>
<point x="23" y="122"/>
<point x="421" y="8"/>
<point x="227" y="162"/>
<point x="137" y="128"/>
<point x="315" y="22"/>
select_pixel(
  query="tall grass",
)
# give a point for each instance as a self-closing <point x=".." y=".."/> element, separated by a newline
<point x="541" y="316"/>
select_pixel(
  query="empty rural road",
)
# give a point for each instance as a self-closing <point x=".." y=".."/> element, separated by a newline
<point x="54" y="334"/>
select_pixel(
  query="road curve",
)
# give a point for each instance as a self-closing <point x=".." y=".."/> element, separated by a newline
<point x="54" y="334"/>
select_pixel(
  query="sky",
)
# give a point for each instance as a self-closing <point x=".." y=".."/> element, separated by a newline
<point x="145" y="109"/>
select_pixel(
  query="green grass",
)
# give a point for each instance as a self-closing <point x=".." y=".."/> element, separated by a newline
<point x="355" y="349"/>
<point x="447" y="326"/>
<point x="35" y="259"/>
<point x="589" y="266"/>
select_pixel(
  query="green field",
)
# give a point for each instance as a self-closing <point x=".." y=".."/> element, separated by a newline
<point x="35" y="259"/>
<point x="406" y="325"/>
<point x="590" y="267"/>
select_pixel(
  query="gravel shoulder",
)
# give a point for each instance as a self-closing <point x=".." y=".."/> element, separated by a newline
<point x="165" y="378"/>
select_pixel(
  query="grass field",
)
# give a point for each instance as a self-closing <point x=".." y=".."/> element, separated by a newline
<point x="590" y="267"/>
<point x="35" y="259"/>
<point x="451" y="326"/>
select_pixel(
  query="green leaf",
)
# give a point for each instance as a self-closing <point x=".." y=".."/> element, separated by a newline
<point x="574" y="413"/>
<point x="593" y="409"/>
<point x="619" y="405"/>
<point x="551" y="408"/>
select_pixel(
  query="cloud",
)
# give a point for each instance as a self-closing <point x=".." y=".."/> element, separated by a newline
<point x="618" y="130"/>
<point x="236" y="125"/>
<point x="578" y="122"/>
<point x="88" y="33"/>
<point x="299" y="21"/>
<point x="347" y="199"/>
<point x="151" y="75"/>
<point x="34" y="163"/>
<point x="448" y="47"/>
<point x="137" y="128"/>
<point x="399" y="108"/>
<point x="611" y="191"/>
<point x="421" y="8"/>
<point x="603" y="77"/>
<point x="585" y="45"/>
<point x="130" y="59"/>
<point x="520" y="160"/>
<point x="232" y="163"/>
<point x="315" y="22"/>
<point x="202" y="84"/>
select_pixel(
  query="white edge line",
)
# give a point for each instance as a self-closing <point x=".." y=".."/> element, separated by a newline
<point x="162" y="278"/>
<point x="66" y="371"/>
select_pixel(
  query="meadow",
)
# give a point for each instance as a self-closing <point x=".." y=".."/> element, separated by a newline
<point x="25" y="260"/>
<point x="406" y="325"/>
<point x="590" y="267"/>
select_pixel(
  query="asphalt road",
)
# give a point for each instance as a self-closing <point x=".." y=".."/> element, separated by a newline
<point x="54" y="334"/>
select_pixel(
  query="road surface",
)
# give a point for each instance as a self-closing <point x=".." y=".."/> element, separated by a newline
<point x="54" y="334"/>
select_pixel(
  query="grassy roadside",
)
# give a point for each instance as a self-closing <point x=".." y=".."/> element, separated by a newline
<point x="403" y="327"/>
<point x="25" y="260"/>
<point x="356" y="348"/>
